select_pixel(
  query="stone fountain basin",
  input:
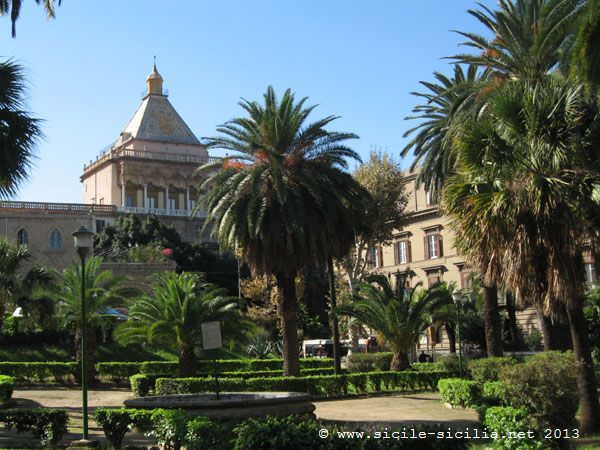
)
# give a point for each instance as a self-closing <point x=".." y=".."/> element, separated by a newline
<point x="231" y="405"/>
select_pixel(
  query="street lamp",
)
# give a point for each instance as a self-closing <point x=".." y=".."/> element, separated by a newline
<point x="84" y="241"/>
<point x="459" y="300"/>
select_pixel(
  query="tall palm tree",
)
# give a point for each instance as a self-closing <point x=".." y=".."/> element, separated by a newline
<point x="14" y="7"/>
<point x="286" y="199"/>
<point x="19" y="132"/>
<point x="528" y="39"/>
<point x="525" y="201"/>
<point x="445" y="100"/>
<point x="102" y="290"/>
<point x="171" y="316"/>
<point x="398" y="314"/>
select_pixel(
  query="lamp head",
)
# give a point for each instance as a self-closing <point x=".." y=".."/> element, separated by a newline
<point x="84" y="241"/>
<point x="457" y="297"/>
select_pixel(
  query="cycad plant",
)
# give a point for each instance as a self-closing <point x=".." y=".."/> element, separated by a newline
<point x="399" y="314"/>
<point x="171" y="316"/>
<point x="285" y="201"/>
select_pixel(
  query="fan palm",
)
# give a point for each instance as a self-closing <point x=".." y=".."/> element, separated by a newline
<point x="171" y="316"/>
<point x="398" y="314"/>
<point x="14" y="6"/>
<point x="286" y="200"/>
<point x="525" y="201"/>
<point x="19" y="132"/>
<point x="102" y="290"/>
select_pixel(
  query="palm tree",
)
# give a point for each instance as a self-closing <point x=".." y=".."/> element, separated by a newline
<point x="19" y="132"/>
<point x="529" y="37"/>
<point x="285" y="200"/>
<point x="103" y="289"/>
<point x="583" y="57"/>
<point x="445" y="100"/>
<point x="525" y="200"/>
<point x="400" y="315"/>
<point x="14" y="6"/>
<point x="18" y="287"/>
<point x="171" y="316"/>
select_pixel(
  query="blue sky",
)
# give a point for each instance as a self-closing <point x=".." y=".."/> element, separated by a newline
<point x="357" y="59"/>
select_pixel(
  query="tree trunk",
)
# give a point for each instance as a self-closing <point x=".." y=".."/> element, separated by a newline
<point x="546" y="326"/>
<point x="512" y="322"/>
<point x="288" y="316"/>
<point x="337" y="357"/>
<point x="315" y="291"/>
<point x="491" y="320"/>
<point x="586" y="378"/>
<point x="91" y="341"/>
<point x="562" y="332"/>
<point x="451" y="333"/>
<point x="399" y="362"/>
<point x="188" y="364"/>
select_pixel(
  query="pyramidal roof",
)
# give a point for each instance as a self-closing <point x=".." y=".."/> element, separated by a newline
<point x="156" y="119"/>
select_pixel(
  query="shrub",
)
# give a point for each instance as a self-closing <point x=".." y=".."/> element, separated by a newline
<point x="159" y="367"/>
<point x="511" y="425"/>
<point x="358" y="381"/>
<point x="450" y="362"/>
<point x="459" y="392"/>
<point x="47" y="425"/>
<point x="203" y="434"/>
<point x="169" y="426"/>
<point x="7" y="386"/>
<point x="428" y="367"/>
<point x="493" y="393"/>
<point x="115" y="423"/>
<point x="369" y="362"/>
<point x="488" y="369"/>
<point x="546" y="386"/>
<point x="290" y="433"/>
<point x="37" y="371"/>
<point x="140" y="385"/>
<point x="118" y="371"/>
<point x="171" y="386"/>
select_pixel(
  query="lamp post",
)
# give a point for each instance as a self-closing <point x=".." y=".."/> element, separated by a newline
<point x="83" y="243"/>
<point x="459" y="300"/>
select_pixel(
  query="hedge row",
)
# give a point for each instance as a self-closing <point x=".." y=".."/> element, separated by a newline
<point x="117" y="371"/>
<point x="7" y="386"/>
<point x="47" y="425"/>
<point x="38" y="371"/>
<point x="175" y="429"/>
<point x="460" y="392"/>
<point x="320" y="385"/>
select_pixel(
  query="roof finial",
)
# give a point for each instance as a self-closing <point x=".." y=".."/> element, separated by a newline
<point x="154" y="62"/>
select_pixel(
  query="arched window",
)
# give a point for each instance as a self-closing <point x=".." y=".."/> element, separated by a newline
<point x="56" y="241"/>
<point x="23" y="236"/>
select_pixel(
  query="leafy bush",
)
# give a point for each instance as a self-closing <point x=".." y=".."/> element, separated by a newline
<point x="140" y="385"/>
<point x="369" y="362"/>
<point x="493" y="393"/>
<point x="118" y="371"/>
<point x="428" y="367"/>
<point x="533" y="341"/>
<point x="512" y="427"/>
<point x="546" y="386"/>
<point x="159" y="367"/>
<point x="37" y="371"/>
<point x="488" y="369"/>
<point x="459" y="392"/>
<point x="450" y="361"/>
<point x="47" y="425"/>
<point x="203" y="434"/>
<point x="290" y="433"/>
<point x="7" y="386"/>
<point x="169" y="426"/>
<point x="115" y="423"/>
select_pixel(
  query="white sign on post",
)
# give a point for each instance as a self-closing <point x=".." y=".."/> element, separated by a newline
<point x="211" y="335"/>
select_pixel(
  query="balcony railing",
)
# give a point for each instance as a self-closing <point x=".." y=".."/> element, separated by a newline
<point x="60" y="207"/>
<point x="161" y="212"/>
<point x="157" y="156"/>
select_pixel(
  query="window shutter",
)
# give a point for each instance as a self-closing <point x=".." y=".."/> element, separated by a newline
<point x="397" y="253"/>
<point x="380" y="259"/>
<point x="426" y="244"/>
<point x="408" y="252"/>
<point x="438" y="243"/>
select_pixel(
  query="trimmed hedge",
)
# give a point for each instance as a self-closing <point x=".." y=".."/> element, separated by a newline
<point x="118" y="371"/>
<point x="38" y="371"/>
<point x="318" y="385"/>
<point x="47" y="425"/>
<point x="488" y="369"/>
<point x="459" y="392"/>
<point x="428" y="366"/>
<point x="7" y="386"/>
<point x="511" y="426"/>
<point x="369" y="362"/>
<point x="117" y="422"/>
